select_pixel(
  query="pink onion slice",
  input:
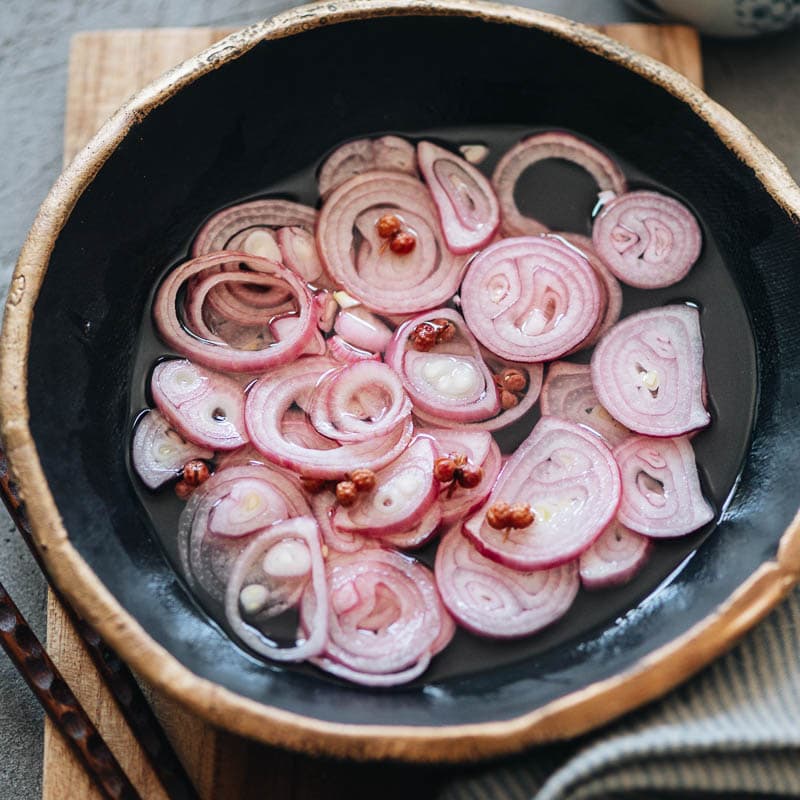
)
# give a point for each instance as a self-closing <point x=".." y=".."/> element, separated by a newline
<point x="285" y="326"/>
<point x="403" y="493"/>
<point x="299" y="252"/>
<point x="571" y="481"/>
<point x="358" y="259"/>
<point x="345" y="353"/>
<point x="532" y="298"/>
<point x="648" y="371"/>
<point x="273" y="395"/>
<point x="217" y="354"/>
<point x="647" y="239"/>
<point x="451" y="380"/>
<point x="363" y="330"/>
<point x="300" y="541"/>
<point x="496" y="601"/>
<point x="661" y="494"/>
<point x="539" y="147"/>
<point x="247" y="218"/>
<point x="358" y="402"/>
<point x="420" y="534"/>
<point x="568" y="393"/>
<point x="465" y="200"/>
<point x="322" y="506"/>
<point x="222" y="515"/>
<point x="481" y="450"/>
<point x="205" y="407"/>
<point x="159" y="451"/>
<point x="609" y="282"/>
<point x="388" y="153"/>
<point x="617" y="555"/>
<point x="385" y="613"/>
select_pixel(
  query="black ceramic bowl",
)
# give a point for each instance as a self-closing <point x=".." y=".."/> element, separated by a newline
<point x="200" y="138"/>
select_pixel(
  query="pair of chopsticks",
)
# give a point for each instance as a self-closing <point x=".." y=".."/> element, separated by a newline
<point x="61" y="705"/>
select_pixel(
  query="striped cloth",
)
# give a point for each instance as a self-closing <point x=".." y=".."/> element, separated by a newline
<point x="733" y="730"/>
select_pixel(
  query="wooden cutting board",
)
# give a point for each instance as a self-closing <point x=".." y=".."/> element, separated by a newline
<point x="105" y="68"/>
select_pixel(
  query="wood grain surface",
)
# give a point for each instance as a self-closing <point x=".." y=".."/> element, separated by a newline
<point x="106" y="67"/>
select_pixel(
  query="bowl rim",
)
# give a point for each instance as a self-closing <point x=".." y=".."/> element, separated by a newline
<point x="565" y="717"/>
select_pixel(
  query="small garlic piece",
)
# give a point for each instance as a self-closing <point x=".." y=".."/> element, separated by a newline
<point x="253" y="598"/>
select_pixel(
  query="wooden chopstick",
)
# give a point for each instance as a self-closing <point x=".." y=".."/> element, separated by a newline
<point x="57" y="699"/>
<point x="118" y="678"/>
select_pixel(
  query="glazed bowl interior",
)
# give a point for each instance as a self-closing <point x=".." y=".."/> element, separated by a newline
<point x="262" y="118"/>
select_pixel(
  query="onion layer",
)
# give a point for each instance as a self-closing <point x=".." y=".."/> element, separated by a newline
<point x="568" y="393"/>
<point x="271" y="397"/>
<point x="386" y="617"/>
<point x="465" y="200"/>
<point x="614" y="558"/>
<point x="571" y="481"/>
<point x="661" y="494"/>
<point x="159" y="451"/>
<point x="496" y="601"/>
<point x="532" y="298"/>
<point x="403" y="493"/>
<point x="251" y="570"/>
<point x="648" y="371"/>
<point x="215" y="353"/>
<point x="540" y="147"/>
<point x="358" y="402"/>
<point x="451" y="380"/>
<point x="356" y="257"/>
<point x="207" y="408"/>
<point x="388" y="153"/>
<point x="244" y="219"/>
<point x="647" y="239"/>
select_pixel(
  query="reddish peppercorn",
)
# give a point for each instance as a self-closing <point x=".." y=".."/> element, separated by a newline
<point x="195" y="472"/>
<point x="514" y="380"/>
<point x="497" y="515"/>
<point x="402" y="242"/>
<point x="423" y="337"/>
<point x="520" y="515"/>
<point x="313" y="485"/>
<point x="445" y="330"/>
<point x="444" y="469"/>
<point x="363" y="479"/>
<point x="346" y="493"/>
<point x="183" y="490"/>
<point x="469" y="476"/>
<point x="508" y="399"/>
<point x="388" y="225"/>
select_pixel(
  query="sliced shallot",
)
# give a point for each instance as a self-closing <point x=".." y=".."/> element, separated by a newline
<point x="213" y="352"/>
<point x="388" y="153"/>
<point x="661" y="494"/>
<point x="271" y="397"/>
<point x="616" y="556"/>
<point x="532" y="298"/>
<point x="250" y="594"/>
<point x="386" y="617"/>
<point x="224" y="513"/>
<point x="362" y="330"/>
<point x="496" y="601"/>
<point x="417" y="536"/>
<point x="403" y="493"/>
<point x="205" y="407"/>
<point x="256" y="218"/>
<point x="465" y="200"/>
<point x="647" y="239"/>
<point x="355" y="255"/>
<point x="568" y="393"/>
<point x="451" y="380"/>
<point x="358" y="402"/>
<point x="159" y="451"/>
<point x="540" y="147"/>
<point x="570" y="479"/>
<point x="648" y="371"/>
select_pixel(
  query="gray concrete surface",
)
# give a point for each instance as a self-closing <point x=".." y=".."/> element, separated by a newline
<point x="758" y="80"/>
